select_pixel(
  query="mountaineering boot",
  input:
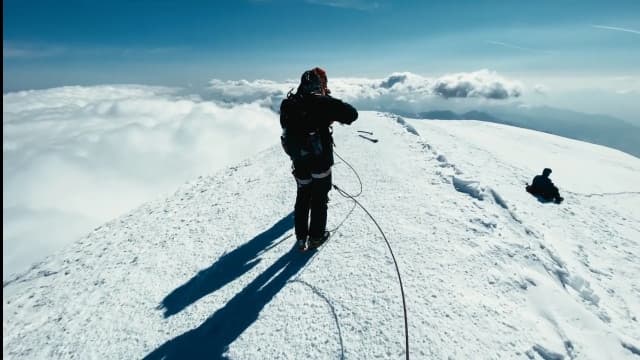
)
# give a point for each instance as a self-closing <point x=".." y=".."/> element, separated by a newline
<point x="302" y="244"/>
<point x="316" y="242"/>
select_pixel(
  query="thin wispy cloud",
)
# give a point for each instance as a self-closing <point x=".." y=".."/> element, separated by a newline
<point x="541" y="89"/>
<point x="626" y="91"/>
<point x="21" y="51"/>
<point x="347" y="4"/>
<point x="517" y="47"/>
<point x="14" y="50"/>
<point x="614" y="28"/>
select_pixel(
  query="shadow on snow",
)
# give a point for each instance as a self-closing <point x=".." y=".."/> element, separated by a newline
<point x="212" y="338"/>
<point x="227" y="268"/>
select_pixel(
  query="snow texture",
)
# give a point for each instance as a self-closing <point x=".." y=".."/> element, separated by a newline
<point x="489" y="272"/>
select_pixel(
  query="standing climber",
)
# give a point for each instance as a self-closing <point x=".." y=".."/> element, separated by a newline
<point x="306" y="119"/>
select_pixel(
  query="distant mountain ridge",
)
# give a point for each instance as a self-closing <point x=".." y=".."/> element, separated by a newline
<point x="450" y="115"/>
<point x="597" y="129"/>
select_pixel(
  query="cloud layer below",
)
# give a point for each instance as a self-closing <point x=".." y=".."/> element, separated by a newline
<point x="74" y="157"/>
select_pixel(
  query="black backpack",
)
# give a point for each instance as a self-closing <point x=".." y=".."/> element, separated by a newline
<point x="299" y="140"/>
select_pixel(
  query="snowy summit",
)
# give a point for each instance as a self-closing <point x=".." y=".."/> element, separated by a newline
<point x="489" y="272"/>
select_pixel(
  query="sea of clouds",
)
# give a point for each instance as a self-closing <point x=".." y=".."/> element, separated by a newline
<point x="75" y="157"/>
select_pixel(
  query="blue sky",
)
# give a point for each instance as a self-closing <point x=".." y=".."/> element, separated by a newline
<point x="574" y="45"/>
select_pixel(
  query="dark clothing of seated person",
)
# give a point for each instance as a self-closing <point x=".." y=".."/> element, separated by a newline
<point x="544" y="188"/>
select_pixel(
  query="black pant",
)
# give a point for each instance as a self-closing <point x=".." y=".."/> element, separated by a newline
<point x="548" y="194"/>
<point x="551" y="193"/>
<point x="312" y="196"/>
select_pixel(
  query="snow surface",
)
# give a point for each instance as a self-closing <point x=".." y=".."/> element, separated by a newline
<point x="489" y="271"/>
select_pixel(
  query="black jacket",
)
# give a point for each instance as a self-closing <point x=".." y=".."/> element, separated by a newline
<point x="543" y="187"/>
<point x="542" y="184"/>
<point x="306" y="121"/>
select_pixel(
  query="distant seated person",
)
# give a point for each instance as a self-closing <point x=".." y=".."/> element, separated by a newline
<point x="543" y="188"/>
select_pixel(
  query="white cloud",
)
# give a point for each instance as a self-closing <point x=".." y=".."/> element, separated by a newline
<point x="74" y="157"/>
<point x="400" y="89"/>
<point x="481" y="84"/>
<point x="265" y="92"/>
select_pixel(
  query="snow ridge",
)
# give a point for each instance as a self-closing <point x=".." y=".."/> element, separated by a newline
<point x="489" y="272"/>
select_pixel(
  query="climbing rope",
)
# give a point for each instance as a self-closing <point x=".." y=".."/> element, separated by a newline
<point x="353" y="197"/>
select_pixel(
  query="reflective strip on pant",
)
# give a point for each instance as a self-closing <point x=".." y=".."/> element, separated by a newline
<point x="321" y="175"/>
<point x="303" y="182"/>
